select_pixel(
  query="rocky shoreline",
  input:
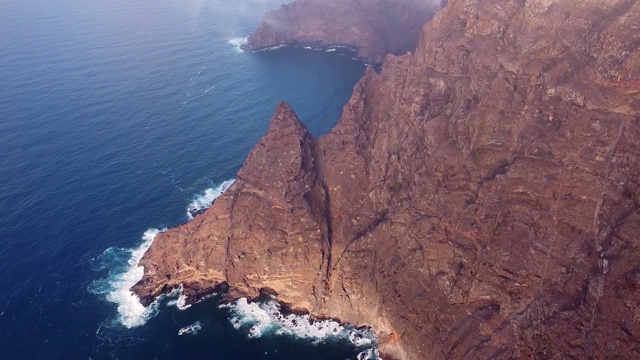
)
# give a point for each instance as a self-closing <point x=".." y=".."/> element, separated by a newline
<point x="373" y="28"/>
<point x="338" y="49"/>
<point x="477" y="199"/>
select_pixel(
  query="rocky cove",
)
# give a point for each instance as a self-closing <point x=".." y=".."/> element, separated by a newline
<point x="374" y="28"/>
<point x="479" y="198"/>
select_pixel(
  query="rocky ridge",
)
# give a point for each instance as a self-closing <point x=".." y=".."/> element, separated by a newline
<point x="479" y="199"/>
<point x="374" y="27"/>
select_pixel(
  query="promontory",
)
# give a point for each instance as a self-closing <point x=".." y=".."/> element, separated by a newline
<point x="372" y="27"/>
<point x="478" y="199"/>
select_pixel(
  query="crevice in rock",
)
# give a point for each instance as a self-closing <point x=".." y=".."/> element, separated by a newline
<point x="380" y="218"/>
<point x="322" y="210"/>
<point x="227" y="259"/>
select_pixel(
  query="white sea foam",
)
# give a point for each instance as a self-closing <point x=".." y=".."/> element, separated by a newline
<point x="360" y="339"/>
<point x="131" y="312"/>
<point x="204" y="200"/>
<point x="275" y="47"/>
<point x="191" y="329"/>
<point x="190" y="99"/>
<point x="369" y="354"/>
<point x="181" y="303"/>
<point x="238" y="42"/>
<point x="179" y="300"/>
<point x="209" y="89"/>
<point x="265" y="318"/>
<point x="331" y="50"/>
<point x="116" y="288"/>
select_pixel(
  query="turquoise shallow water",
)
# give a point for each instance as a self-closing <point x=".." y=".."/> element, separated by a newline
<point x="115" y="115"/>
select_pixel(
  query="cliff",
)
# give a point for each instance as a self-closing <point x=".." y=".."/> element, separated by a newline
<point x="479" y="199"/>
<point x="375" y="28"/>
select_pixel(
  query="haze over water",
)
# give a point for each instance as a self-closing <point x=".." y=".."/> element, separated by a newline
<point x="116" y="116"/>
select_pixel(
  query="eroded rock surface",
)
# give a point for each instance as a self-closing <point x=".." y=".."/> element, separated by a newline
<point x="479" y="199"/>
<point x="374" y="27"/>
<point x="267" y="230"/>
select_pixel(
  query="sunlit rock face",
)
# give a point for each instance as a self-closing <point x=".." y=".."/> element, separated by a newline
<point x="375" y="28"/>
<point x="478" y="199"/>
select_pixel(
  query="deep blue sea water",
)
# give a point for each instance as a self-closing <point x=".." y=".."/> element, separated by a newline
<point x="116" y="115"/>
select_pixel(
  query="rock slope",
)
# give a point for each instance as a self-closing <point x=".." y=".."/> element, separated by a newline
<point x="479" y="199"/>
<point x="374" y="27"/>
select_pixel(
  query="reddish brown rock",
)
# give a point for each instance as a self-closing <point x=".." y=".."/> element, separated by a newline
<point x="479" y="199"/>
<point x="268" y="230"/>
<point x="374" y="27"/>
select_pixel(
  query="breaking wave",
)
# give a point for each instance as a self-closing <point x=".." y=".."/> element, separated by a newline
<point x="124" y="271"/>
<point x="265" y="317"/>
<point x="191" y="329"/>
<point x="179" y="299"/>
<point x="238" y="42"/>
<point x="116" y="287"/>
<point x="276" y="47"/>
<point x="204" y="200"/>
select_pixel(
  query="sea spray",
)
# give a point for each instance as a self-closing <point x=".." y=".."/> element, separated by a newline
<point x="191" y="329"/>
<point x="265" y="318"/>
<point x="117" y="287"/>
<point x="179" y="299"/>
<point x="238" y="42"/>
<point x="204" y="200"/>
<point x="124" y="274"/>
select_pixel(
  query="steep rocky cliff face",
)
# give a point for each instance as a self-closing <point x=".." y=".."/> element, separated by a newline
<point x="478" y="199"/>
<point x="374" y="27"/>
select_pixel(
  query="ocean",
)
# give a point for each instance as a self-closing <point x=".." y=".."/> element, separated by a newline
<point x="117" y="119"/>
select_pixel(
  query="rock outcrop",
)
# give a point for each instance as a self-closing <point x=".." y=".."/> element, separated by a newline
<point x="374" y="27"/>
<point x="479" y="199"/>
